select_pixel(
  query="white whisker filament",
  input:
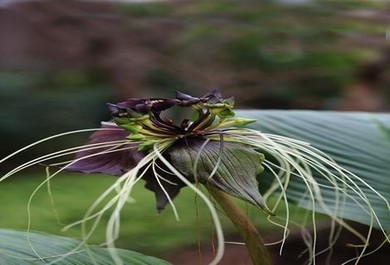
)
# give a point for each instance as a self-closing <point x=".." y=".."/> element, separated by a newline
<point x="286" y="160"/>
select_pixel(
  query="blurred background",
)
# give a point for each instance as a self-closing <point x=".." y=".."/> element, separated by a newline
<point x="62" y="61"/>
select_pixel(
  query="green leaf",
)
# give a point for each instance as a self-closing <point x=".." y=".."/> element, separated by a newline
<point x="237" y="166"/>
<point x="385" y="130"/>
<point x="353" y="140"/>
<point x="15" y="249"/>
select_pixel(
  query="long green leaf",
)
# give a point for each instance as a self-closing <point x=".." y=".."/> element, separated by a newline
<point x="356" y="141"/>
<point x="22" y="248"/>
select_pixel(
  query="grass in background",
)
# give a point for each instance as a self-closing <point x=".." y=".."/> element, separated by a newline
<point x="142" y="229"/>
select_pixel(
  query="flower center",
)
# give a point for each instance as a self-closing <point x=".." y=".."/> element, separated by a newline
<point x="142" y="117"/>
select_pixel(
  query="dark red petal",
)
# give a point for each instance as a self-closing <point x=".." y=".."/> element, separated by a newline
<point x="186" y="100"/>
<point x="213" y="96"/>
<point x="171" y="189"/>
<point x="112" y="163"/>
<point x="160" y="105"/>
<point x="122" y="107"/>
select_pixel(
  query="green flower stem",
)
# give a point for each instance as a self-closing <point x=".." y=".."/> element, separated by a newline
<point x="253" y="241"/>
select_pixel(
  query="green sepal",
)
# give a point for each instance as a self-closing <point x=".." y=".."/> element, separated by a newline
<point x="227" y="113"/>
<point x="136" y="137"/>
<point x="237" y="122"/>
<point x="133" y="115"/>
<point x="147" y="145"/>
<point x="221" y="106"/>
<point x="216" y="110"/>
<point x="195" y="115"/>
<point x="229" y="101"/>
<point x="122" y="120"/>
<point x="131" y="127"/>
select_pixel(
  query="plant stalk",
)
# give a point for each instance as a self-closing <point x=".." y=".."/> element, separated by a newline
<point x="253" y="241"/>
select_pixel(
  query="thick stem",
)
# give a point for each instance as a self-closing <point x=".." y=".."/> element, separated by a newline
<point x="253" y="241"/>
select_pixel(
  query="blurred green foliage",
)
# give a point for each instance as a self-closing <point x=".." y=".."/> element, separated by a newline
<point x="265" y="54"/>
<point x="257" y="46"/>
<point x="74" y="193"/>
<point x="37" y="105"/>
<point x="164" y="80"/>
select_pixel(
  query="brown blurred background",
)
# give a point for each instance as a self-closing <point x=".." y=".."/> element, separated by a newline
<point x="61" y="61"/>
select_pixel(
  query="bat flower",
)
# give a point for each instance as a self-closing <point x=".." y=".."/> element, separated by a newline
<point x="211" y="148"/>
<point x="203" y="149"/>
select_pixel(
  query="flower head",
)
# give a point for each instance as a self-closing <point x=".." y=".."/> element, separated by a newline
<point x="199" y="147"/>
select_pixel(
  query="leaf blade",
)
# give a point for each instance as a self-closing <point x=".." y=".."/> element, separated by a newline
<point x="15" y="249"/>
<point x="353" y="140"/>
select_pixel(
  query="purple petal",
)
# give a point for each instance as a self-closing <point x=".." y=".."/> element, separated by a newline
<point x="112" y="163"/>
<point x="163" y="104"/>
<point x="186" y="100"/>
<point x="171" y="189"/>
<point x="213" y="96"/>
<point x="122" y="107"/>
<point x="114" y="109"/>
<point x="131" y="103"/>
<point x="142" y="105"/>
